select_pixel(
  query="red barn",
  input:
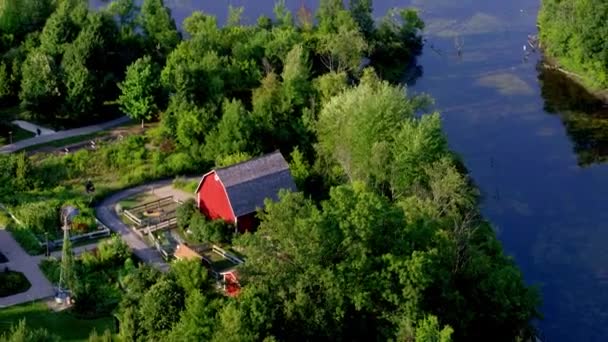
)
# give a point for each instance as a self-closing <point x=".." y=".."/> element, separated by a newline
<point x="236" y="192"/>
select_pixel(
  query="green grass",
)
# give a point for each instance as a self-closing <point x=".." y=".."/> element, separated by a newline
<point x="185" y="185"/>
<point x="63" y="324"/>
<point x="26" y="239"/>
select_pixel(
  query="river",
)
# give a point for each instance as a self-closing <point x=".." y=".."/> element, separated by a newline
<point x="534" y="142"/>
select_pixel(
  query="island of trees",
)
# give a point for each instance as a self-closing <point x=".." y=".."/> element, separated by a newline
<point x="575" y="34"/>
<point x="383" y="242"/>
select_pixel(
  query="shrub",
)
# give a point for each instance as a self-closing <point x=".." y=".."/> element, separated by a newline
<point x="5" y="220"/>
<point x="215" y="231"/>
<point x="185" y="212"/>
<point x="51" y="269"/>
<point x="40" y="216"/>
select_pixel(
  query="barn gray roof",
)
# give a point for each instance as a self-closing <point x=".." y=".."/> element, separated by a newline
<point x="249" y="183"/>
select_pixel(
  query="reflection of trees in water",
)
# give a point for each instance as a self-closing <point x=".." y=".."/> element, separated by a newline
<point x="584" y="116"/>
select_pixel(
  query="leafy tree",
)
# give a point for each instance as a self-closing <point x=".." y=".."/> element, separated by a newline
<point x="361" y="121"/>
<point x="574" y="32"/>
<point x="63" y="26"/>
<point x="232" y="134"/>
<point x="184" y="213"/>
<point x="232" y="159"/>
<point x="396" y="42"/>
<point x="330" y="85"/>
<point x="159" y="27"/>
<point x="197" y="320"/>
<point x="362" y="12"/>
<point x="342" y="46"/>
<point x="68" y="273"/>
<point x="282" y="14"/>
<point x="88" y="72"/>
<point x="296" y="76"/>
<point x="327" y="15"/>
<point x="113" y="252"/>
<point x="39" y="84"/>
<point x="5" y="82"/>
<point x="160" y="307"/>
<point x="19" y="17"/>
<point x="190" y="275"/>
<point x="140" y="90"/>
<point x="215" y="231"/>
<point x="234" y="15"/>
<point x="299" y="168"/>
<point x="194" y="75"/>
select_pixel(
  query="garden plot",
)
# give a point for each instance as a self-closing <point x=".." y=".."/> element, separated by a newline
<point x="149" y="213"/>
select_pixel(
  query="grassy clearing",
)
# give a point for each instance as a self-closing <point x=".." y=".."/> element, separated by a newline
<point x="63" y="324"/>
<point x="26" y="238"/>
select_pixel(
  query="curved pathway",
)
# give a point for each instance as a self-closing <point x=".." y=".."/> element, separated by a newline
<point x="106" y="213"/>
<point x="20" y="261"/>
<point x="43" y="139"/>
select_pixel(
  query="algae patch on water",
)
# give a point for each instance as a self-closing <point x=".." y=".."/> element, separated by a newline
<point x="506" y="84"/>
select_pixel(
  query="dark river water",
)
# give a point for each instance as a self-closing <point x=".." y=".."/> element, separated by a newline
<point x="534" y="142"/>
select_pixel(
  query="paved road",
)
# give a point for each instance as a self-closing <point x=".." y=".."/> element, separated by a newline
<point x="30" y="127"/>
<point x="19" y="145"/>
<point x="19" y="260"/>
<point x="107" y="215"/>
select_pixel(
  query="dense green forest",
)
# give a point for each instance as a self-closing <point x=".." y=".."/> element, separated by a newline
<point x="384" y="241"/>
<point x="575" y="33"/>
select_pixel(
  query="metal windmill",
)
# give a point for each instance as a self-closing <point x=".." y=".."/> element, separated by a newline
<point x="66" y="275"/>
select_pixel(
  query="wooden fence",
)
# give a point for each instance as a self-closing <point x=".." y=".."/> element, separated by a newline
<point x="227" y="255"/>
<point x="165" y="225"/>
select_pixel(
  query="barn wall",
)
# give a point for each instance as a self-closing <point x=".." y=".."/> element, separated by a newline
<point x="247" y="223"/>
<point x="213" y="201"/>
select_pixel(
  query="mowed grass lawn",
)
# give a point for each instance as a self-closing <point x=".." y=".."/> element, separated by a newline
<point x="63" y="324"/>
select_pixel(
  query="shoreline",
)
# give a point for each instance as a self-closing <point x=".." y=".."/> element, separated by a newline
<point x="552" y="63"/>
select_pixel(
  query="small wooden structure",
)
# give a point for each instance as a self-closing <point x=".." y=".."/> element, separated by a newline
<point x="154" y="216"/>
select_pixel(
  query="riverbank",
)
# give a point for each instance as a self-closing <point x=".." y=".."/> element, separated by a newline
<point x="553" y="63"/>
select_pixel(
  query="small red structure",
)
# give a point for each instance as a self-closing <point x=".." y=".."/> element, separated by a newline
<point x="231" y="283"/>
<point x="236" y="192"/>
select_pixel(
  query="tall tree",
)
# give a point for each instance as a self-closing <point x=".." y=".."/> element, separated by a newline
<point x="360" y="123"/>
<point x="362" y="12"/>
<point x="232" y="133"/>
<point x="19" y="17"/>
<point x="341" y="45"/>
<point x="39" y="84"/>
<point x="140" y="90"/>
<point x="159" y="27"/>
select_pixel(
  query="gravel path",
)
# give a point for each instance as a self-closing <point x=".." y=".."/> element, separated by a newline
<point x="107" y="215"/>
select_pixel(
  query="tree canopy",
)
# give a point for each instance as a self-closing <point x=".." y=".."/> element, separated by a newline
<point x="383" y="241"/>
<point x="576" y="34"/>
